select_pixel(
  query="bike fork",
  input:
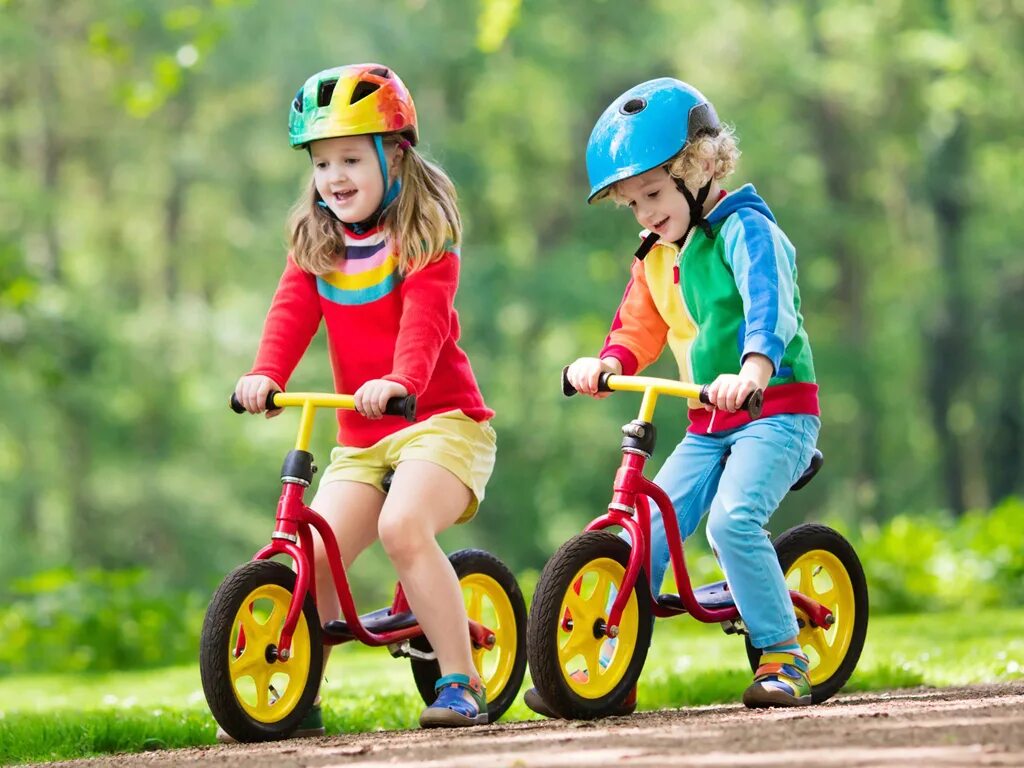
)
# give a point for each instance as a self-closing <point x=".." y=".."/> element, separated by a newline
<point x="630" y="511"/>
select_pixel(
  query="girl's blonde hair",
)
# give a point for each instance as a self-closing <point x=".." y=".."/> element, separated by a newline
<point x="688" y="164"/>
<point x="422" y="222"/>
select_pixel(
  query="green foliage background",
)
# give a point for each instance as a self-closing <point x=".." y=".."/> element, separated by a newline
<point x="144" y="182"/>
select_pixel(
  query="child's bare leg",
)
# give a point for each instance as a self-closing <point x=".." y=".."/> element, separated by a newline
<point x="351" y="509"/>
<point x="424" y="500"/>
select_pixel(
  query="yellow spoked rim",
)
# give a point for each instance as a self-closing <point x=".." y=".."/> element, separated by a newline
<point x="821" y="576"/>
<point x="267" y="690"/>
<point x="488" y="604"/>
<point x="593" y="666"/>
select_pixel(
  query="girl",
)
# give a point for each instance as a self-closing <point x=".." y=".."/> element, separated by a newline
<point x="715" y="280"/>
<point x="374" y="253"/>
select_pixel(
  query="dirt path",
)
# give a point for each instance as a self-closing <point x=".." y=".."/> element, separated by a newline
<point x="977" y="726"/>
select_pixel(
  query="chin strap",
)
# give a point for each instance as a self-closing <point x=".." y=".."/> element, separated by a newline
<point x="394" y="187"/>
<point x="360" y="227"/>
<point x="697" y="208"/>
<point x="646" y="245"/>
<point x="696" y="219"/>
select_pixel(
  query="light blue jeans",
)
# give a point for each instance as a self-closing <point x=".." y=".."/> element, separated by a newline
<point x="768" y="455"/>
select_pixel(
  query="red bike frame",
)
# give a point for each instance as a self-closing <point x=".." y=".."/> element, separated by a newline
<point x="293" y="537"/>
<point x="629" y="508"/>
<point x="631" y="492"/>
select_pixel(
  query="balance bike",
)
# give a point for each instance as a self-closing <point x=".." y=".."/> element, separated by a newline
<point x="261" y="650"/>
<point x="591" y="617"/>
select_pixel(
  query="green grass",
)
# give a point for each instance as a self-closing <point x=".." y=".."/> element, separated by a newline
<point x="62" y="717"/>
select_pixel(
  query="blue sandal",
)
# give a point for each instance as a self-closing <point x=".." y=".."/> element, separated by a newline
<point x="451" y="709"/>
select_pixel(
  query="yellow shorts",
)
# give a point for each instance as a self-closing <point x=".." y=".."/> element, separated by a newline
<point x="452" y="440"/>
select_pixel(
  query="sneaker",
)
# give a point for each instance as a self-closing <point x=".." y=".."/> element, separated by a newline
<point x="452" y="709"/>
<point x="312" y="725"/>
<point x="780" y="681"/>
<point x="533" y="700"/>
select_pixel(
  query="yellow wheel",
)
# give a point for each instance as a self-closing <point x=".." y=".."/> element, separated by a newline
<point x="819" y="563"/>
<point x="253" y="693"/>
<point x="578" y="670"/>
<point x="492" y="598"/>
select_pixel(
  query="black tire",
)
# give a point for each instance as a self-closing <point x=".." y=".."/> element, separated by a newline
<point x="466" y="563"/>
<point x="215" y="654"/>
<point x="790" y="546"/>
<point x="546" y="619"/>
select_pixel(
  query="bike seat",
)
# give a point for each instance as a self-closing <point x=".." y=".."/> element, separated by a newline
<point x="812" y="469"/>
<point x="710" y="596"/>
<point x="377" y="621"/>
<point x="816" y="461"/>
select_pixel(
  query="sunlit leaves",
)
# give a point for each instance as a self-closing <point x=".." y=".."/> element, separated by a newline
<point x="496" y="20"/>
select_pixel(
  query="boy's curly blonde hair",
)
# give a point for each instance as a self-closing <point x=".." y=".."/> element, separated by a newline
<point x="687" y="165"/>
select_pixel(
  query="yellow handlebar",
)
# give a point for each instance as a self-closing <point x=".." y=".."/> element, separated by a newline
<point x="310" y="401"/>
<point x="652" y="387"/>
<point x="316" y="399"/>
<point x="613" y="383"/>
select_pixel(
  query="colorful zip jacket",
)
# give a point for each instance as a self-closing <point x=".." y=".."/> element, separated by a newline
<point x="714" y="301"/>
<point x="379" y="326"/>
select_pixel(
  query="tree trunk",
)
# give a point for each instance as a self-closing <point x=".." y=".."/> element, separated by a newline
<point x="1005" y="455"/>
<point x="836" y="141"/>
<point x="951" y="353"/>
<point x="51" y="149"/>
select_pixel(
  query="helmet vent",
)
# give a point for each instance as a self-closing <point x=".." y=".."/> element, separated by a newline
<point x="297" y="104"/>
<point x="325" y="91"/>
<point x="362" y="90"/>
<point x="633" y="106"/>
<point x="380" y="72"/>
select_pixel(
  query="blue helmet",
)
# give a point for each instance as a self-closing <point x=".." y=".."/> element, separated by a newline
<point x="644" y="128"/>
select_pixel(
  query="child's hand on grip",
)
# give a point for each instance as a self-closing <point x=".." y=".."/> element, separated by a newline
<point x="252" y="390"/>
<point x="584" y="373"/>
<point x="373" y="396"/>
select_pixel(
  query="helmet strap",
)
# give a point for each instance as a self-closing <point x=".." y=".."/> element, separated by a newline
<point x="696" y="207"/>
<point x="390" y="189"/>
<point x="696" y="218"/>
<point x="360" y="227"/>
<point x="646" y="245"/>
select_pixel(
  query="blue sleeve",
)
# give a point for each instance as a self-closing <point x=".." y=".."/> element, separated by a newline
<point x="763" y="262"/>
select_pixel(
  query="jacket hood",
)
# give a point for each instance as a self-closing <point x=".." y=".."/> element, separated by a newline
<point x="744" y="197"/>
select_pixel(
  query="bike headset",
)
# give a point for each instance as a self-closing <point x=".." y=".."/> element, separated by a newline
<point x="643" y="129"/>
<point x="355" y="100"/>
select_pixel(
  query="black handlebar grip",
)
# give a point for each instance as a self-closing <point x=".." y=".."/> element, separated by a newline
<point x="402" y="406"/>
<point x="752" y="405"/>
<point x="237" y="407"/>
<point x="567" y="389"/>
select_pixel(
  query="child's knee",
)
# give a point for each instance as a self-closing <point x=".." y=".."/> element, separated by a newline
<point x="732" y="526"/>
<point x="402" y="536"/>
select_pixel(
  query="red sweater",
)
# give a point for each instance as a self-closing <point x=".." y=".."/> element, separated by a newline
<point x="379" y="326"/>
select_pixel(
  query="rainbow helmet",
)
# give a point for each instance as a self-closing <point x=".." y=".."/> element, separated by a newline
<point x="643" y="128"/>
<point x="351" y="100"/>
